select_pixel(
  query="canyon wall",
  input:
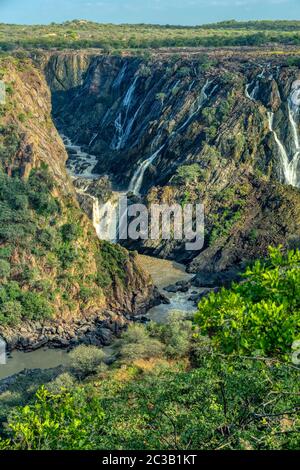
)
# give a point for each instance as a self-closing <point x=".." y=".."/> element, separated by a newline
<point x="222" y="129"/>
<point x="54" y="270"/>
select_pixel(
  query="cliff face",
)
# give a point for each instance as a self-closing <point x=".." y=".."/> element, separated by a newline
<point x="53" y="269"/>
<point x="221" y="129"/>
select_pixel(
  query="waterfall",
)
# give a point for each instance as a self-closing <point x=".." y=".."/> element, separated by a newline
<point x="93" y="138"/>
<point x="129" y="95"/>
<point x="288" y="168"/>
<point x="198" y="103"/>
<point x="120" y="76"/>
<point x="2" y="351"/>
<point x="104" y="216"/>
<point x="252" y="95"/>
<point x="290" y="156"/>
<point x="293" y="108"/>
<point x="121" y="135"/>
<point x="137" y="179"/>
<point x="255" y="84"/>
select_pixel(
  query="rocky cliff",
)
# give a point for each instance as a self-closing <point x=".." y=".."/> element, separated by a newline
<point x="54" y="272"/>
<point x="219" y="128"/>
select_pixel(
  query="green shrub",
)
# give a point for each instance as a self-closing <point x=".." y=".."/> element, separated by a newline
<point x="137" y="344"/>
<point x="35" y="306"/>
<point x="10" y="313"/>
<point x="4" y="269"/>
<point x="57" y="421"/>
<point x="232" y="404"/>
<point x="85" y="360"/>
<point x="176" y="334"/>
<point x="63" y="382"/>
<point x="260" y="315"/>
<point x="70" y="232"/>
<point x="188" y="174"/>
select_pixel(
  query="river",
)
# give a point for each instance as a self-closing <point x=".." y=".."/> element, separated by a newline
<point x="163" y="273"/>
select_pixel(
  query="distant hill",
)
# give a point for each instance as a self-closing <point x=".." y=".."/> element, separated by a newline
<point x="77" y="34"/>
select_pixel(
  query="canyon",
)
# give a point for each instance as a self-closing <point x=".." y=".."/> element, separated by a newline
<point x="222" y="129"/>
<point x="219" y="129"/>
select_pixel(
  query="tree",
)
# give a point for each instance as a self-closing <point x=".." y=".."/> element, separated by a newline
<point x="4" y="269"/>
<point x="85" y="360"/>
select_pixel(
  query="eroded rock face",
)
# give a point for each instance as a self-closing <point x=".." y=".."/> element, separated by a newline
<point x="108" y="276"/>
<point x="233" y="120"/>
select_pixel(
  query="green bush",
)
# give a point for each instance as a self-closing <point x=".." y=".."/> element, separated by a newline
<point x="57" y="421"/>
<point x="85" y="360"/>
<point x="176" y="334"/>
<point x="70" y="232"/>
<point x="63" y="382"/>
<point x="138" y="344"/>
<point x="35" y="306"/>
<point x="188" y="174"/>
<point x="10" y="312"/>
<point x="260" y="315"/>
<point x="4" y="269"/>
<point x="232" y="404"/>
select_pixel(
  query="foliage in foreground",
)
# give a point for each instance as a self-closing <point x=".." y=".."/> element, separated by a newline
<point x="175" y="389"/>
<point x="221" y="404"/>
<point x="260" y="315"/>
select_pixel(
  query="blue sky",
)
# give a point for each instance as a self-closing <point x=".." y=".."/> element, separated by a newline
<point x="187" y="12"/>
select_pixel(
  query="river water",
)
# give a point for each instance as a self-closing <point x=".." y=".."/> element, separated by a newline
<point x="163" y="273"/>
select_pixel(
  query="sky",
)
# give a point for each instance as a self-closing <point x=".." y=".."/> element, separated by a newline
<point x="185" y="12"/>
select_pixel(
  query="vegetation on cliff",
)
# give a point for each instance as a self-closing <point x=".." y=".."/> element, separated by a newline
<point x="52" y="265"/>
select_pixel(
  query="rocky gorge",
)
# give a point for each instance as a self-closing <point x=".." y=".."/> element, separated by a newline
<point x="215" y="127"/>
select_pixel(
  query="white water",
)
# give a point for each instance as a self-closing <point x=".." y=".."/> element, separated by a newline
<point x="120" y="76"/>
<point x="137" y="179"/>
<point x="164" y="273"/>
<point x="197" y="104"/>
<point x="105" y="215"/>
<point x="252" y="95"/>
<point x="288" y="167"/>
<point x="95" y="135"/>
<point x="289" y="157"/>
<point x="79" y="163"/>
<point x="122" y="126"/>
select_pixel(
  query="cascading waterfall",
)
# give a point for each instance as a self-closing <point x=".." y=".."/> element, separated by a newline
<point x="282" y="152"/>
<point x="289" y="160"/>
<point x="105" y="219"/>
<point x="136" y="182"/>
<point x="198" y="103"/>
<point x="123" y="128"/>
<point x="289" y="155"/>
<point x="255" y="84"/>
<point x="105" y="215"/>
<point x="120" y="76"/>
<point x="93" y="138"/>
